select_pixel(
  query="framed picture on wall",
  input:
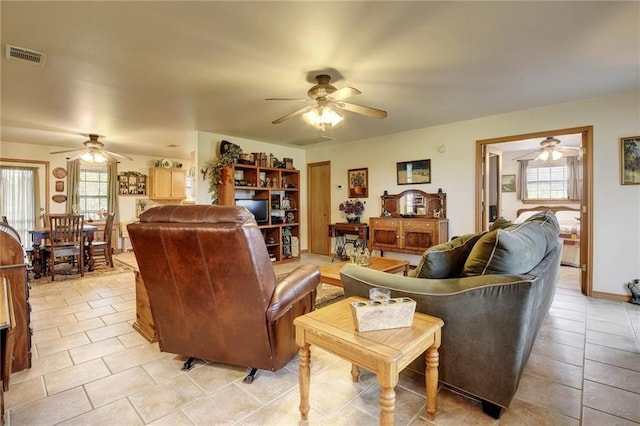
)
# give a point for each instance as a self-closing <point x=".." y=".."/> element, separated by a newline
<point x="508" y="183"/>
<point x="358" y="183"/>
<point x="630" y="160"/>
<point x="413" y="172"/>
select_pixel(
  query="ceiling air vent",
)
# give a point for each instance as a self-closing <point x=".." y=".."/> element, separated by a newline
<point x="22" y="54"/>
<point x="311" y="141"/>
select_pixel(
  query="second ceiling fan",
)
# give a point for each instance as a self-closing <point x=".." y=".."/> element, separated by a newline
<point x="327" y="97"/>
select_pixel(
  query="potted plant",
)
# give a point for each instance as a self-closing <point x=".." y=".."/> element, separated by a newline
<point x="229" y="153"/>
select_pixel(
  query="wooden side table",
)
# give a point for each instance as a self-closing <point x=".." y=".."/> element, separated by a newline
<point x="144" y="320"/>
<point x="384" y="352"/>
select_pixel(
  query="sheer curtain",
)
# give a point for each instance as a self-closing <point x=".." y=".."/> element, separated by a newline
<point x="523" y="193"/>
<point x="112" y="191"/>
<point x="574" y="178"/>
<point x="73" y="186"/>
<point x="20" y="198"/>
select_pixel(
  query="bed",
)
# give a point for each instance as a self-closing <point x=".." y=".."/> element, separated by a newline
<point x="569" y="220"/>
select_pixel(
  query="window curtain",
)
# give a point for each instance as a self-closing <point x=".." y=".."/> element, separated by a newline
<point x="73" y="186"/>
<point x="20" y="198"/>
<point x="523" y="194"/>
<point x="574" y="178"/>
<point x="112" y="191"/>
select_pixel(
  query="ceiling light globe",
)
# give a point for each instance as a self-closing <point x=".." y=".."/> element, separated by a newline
<point x="322" y="117"/>
<point x="87" y="156"/>
<point x="544" y="156"/>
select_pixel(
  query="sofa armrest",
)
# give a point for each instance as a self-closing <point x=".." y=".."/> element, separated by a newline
<point x="293" y="287"/>
<point x="490" y="323"/>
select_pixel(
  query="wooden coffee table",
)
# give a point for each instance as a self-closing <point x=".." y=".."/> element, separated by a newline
<point x="330" y="274"/>
<point x="384" y="352"/>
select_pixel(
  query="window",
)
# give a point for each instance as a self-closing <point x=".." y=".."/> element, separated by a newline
<point x="93" y="191"/>
<point x="547" y="180"/>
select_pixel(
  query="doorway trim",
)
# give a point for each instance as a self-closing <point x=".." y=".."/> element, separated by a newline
<point x="586" y="216"/>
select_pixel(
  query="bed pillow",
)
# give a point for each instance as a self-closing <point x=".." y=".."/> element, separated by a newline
<point x="513" y="250"/>
<point x="446" y="260"/>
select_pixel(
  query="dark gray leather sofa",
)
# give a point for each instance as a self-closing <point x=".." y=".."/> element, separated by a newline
<point x="493" y="291"/>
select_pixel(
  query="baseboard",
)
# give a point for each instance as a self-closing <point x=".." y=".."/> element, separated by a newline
<point x="611" y="296"/>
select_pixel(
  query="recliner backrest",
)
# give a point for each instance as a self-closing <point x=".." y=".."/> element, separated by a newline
<point x="209" y="279"/>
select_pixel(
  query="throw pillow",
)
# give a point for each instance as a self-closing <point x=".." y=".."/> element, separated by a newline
<point x="513" y="250"/>
<point x="549" y="223"/>
<point x="500" y="223"/>
<point x="446" y="260"/>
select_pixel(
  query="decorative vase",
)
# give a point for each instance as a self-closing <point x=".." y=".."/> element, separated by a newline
<point x="353" y="219"/>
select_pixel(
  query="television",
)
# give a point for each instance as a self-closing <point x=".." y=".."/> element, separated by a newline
<point x="259" y="208"/>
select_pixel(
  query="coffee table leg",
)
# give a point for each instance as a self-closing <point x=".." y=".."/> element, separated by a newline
<point x="432" y="358"/>
<point x="304" y="377"/>
<point x="387" y="405"/>
<point x="355" y="372"/>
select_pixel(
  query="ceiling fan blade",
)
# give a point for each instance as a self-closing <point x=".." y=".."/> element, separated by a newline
<point x="113" y="154"/>
<point x="293" y="114"/>
<point x="537" y="151"/>
<point x="77" y="154"/>
<point x="344" y="93"/>
<point x="359" y="109"/>
<point x="62" y="152"/>
<point x="286" y="99"/>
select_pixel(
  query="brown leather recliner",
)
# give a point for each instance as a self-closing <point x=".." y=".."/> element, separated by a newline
<point x="212" y="287"/>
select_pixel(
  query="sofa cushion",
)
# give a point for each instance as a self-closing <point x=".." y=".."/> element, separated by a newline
<point x="516" y="249"/>
<point x="446" y="260"/>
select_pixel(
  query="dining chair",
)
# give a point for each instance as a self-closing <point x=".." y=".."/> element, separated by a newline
<point x="65" y="242"/>
<point x="102" y="249"/>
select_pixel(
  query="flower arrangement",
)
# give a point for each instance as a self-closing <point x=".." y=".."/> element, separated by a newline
<point x="352" y="207"/>
<point x="357" y="179"/>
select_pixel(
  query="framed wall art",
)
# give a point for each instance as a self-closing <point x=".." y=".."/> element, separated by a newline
<point x="413" y="172"/>
<point x="358" y="183"/>
<point x="630" y="160"/>
<point x="508" y="183"/>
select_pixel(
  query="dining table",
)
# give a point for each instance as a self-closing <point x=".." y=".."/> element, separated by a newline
<point x="40" y="234"/>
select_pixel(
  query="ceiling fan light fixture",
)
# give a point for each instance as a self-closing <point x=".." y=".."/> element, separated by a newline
<point x="322" y="117"/>
<point x="94" y="157"/>
<point x="549" y="154"/>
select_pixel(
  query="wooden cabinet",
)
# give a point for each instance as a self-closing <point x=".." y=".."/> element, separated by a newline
<point x="280" y="190"/>
<point x="14" y="269"/>
<point x="411" y="222"/>
<point x="167" y="183"/>
<point x="407" y="235"/>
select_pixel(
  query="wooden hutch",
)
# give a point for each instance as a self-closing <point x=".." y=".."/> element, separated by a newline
<point x="411" y="222"/>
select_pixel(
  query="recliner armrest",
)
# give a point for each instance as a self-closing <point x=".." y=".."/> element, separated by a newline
<point x="293" y="287"/>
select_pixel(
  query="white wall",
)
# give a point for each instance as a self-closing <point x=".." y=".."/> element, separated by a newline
<point x="616" y="236"/>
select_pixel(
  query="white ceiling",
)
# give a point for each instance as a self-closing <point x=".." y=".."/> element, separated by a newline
<point x="149" y="74"/>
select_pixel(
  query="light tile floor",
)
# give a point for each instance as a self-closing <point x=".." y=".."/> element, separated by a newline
<point x="91" y="367"/>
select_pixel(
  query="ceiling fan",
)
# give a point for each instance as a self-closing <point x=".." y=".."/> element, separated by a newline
<point x="94" y="152"/>
<point x="550" y="150"/>
<point x="325" y="96"/>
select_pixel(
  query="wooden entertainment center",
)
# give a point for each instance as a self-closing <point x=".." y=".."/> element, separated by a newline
<point x="280" y="188"/>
